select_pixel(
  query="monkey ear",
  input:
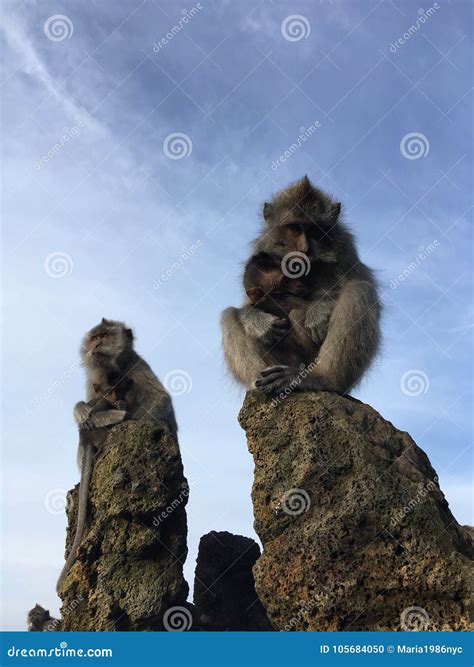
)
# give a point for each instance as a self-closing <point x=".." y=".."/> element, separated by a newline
<point x="103" y="321"/>
<point x="255" y="294"/>
<point x="267" y="211"/>
<point x="96" y="388"/>
<point x="335" y="211"/>
<point x="307" y="185"/>
<point x="129" y="334"/>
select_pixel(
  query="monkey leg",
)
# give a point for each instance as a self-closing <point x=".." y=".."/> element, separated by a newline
<point x="352" y="339"/>
<point x="246" y="332"/>
<point x="82" y="412"/>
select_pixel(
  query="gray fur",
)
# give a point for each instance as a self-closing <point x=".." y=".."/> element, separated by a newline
<point x="147" y="399"/>
<point x="343" y="312"/>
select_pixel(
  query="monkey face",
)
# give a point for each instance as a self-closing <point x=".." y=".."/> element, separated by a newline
<point x="301" y="218"/>
<point x="105" y="342"/>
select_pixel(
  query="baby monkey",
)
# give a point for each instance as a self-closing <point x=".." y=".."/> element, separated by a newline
<point x="106" y="410"/>
<point x="270" y="289"/>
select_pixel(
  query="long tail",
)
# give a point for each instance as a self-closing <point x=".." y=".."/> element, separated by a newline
<point x="86" y="474"/>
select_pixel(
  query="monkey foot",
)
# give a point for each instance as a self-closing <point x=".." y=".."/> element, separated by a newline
<point x="278" y="378"/>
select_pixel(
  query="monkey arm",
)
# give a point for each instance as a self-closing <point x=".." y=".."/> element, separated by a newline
<point x="82" y="412"/>
<point x="350" y="345"/>
<point x="317" y="318"/>
<point x="259" y="324"/>
<point x="353" y="337"/>
<point x="241" y="348"/>
<point x="97" y="414"/>
<point x="158" y="410"/>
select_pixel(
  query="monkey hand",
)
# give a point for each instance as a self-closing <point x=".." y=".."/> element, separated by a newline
<point x="275" y="379"/>
<point x="316" y="324"/>
<point x="82" y="412"/>
<point x="264" y="326"/>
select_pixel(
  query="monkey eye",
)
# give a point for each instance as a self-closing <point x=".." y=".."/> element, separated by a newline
<point x="295" y="228"/>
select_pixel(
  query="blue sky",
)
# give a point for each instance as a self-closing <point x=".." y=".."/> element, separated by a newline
<point x="242" y="81"/>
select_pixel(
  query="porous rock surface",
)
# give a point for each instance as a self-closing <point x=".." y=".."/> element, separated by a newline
<point x="129" y="570"/>
<point x="356" y="532"/>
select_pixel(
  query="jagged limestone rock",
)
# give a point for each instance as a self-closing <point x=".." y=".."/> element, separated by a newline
<point x="129" y="570"/>
<point x="356" y="533"/>
<point x="224" y="589"/>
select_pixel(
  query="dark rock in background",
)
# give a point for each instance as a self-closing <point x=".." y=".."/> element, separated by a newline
<point x="129" y="570"/>
<point x="224" y="589"/>
<point x="357" y="534"/>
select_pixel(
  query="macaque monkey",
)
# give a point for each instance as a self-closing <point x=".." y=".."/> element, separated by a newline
<point x="302" y="223"/>
<point x="108" y="348"/>
<point x="107" y="409"/>
<point x="287" y="298"/>
<point x="40" y="620"/>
